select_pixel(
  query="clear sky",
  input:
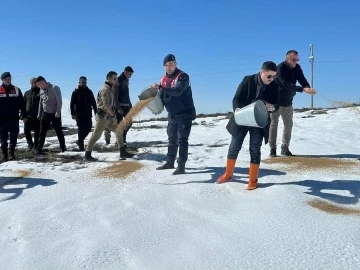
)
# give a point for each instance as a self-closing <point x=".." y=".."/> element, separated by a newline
<point x="215" y="42"/>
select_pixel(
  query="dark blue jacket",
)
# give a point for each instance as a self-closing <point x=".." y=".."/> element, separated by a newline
<point x="176" y="94"/>
<point x="11" y="103"/>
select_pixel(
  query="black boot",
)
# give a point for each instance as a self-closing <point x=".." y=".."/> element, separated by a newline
<point x="285" y="151"/>
<point x="5" y="154"/>
<point x="81" y="145"/>
<point x="125" y="154"/>
<point x="63" y="148"/>
<point x="30" y="146"/>
<point x="12" y="153"/>
<point x="88" y="156"/>
<point x="180" y="169"/>
<point x="273" y="152"/>
<point x="166" y="166"/>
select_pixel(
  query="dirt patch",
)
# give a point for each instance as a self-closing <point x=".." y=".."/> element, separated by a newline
<point x="310" y="163"/>
<point x="332" y="208"/>
<point x="23" y="173"/>
<point x="120" y="169"/>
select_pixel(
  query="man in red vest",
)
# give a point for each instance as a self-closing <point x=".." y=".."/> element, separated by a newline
<point x="176" y="94"/>
<point x="11" y="104"/>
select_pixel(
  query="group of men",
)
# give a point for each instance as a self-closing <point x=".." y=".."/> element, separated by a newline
<point x="40" y="108"/>
<point x="274" y="84"/>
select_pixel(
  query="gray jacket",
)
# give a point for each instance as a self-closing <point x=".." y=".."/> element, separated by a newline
<point x="50" y="100"/>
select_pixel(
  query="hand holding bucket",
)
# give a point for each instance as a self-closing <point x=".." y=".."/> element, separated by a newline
<point x="253" y="115"/>
<point x="156" y="106"/>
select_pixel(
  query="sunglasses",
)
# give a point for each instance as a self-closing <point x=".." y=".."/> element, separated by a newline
<point x="271" y="76"/>
<point x="294" y="60"/>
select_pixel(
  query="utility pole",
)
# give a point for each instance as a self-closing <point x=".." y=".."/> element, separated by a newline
<point x="312" y="73"/>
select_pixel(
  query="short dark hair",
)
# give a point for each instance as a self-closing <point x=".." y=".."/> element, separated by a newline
<point x="269" y="65"/>
<point x="110" y="74"/>
<point x="129" y="69"/>
<point x="82" y="78"/>
<point x="291" y="51"/>
<point x="40" y="78"/>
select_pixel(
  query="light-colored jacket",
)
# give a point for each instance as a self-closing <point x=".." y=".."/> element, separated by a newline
<point x="50" y="99"/>
<point x="106" y="99"/>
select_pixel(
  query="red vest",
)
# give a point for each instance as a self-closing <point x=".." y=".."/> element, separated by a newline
<point x="173" y="80"/>
<point x="13" y="92"/>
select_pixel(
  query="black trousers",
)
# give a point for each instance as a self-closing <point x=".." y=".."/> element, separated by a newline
<point x="6" y="127"/>
<point x="84" y="127"/>
<point x="32" y="124"/>
<point x="45" y="121"/>
<point x="178" y="136"/>
<point x="256" y="138"/>
<point x="125" y="112"/>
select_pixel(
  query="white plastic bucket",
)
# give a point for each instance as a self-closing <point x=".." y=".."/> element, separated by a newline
<point x="156" y="106"/>
<point x="252" y="115"/>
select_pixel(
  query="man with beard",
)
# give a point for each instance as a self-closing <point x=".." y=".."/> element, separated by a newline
<point x="122" y="95"/>
<point x="32" y="100"/>
<point x="106" y="117"/>
<point x="82" y="104"/>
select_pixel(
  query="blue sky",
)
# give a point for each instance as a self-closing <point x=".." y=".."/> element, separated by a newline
<point x="216" y="42"/>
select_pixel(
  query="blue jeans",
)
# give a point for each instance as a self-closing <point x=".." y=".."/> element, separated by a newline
<point x="256" y="138"/>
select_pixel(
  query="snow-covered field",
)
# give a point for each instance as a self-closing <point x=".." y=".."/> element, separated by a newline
<point x="65" y="216"/>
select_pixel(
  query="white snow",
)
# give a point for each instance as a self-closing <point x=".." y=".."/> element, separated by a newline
<point x="62" y="216"/>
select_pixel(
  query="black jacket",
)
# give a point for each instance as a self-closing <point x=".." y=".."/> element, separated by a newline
<point x="82" y="103"/>
<point x="123" y="91"/>
<point x="11" y="103"/>
<point x="32" y="101"/>
<point x="287" y="78"/>
<point x="251" y="89"/>
<point x="178" y="98"/>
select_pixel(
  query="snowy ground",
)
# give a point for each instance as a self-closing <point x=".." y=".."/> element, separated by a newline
<point x="63" y="216"/>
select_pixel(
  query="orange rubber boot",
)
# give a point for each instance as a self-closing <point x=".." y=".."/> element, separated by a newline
<point x="253" y="176"/>
<point x="230" y="165"/>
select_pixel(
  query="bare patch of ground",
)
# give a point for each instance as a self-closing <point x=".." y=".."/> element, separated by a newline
<point x="23" y="173"/>
<point x="332" y="208"/>
<point x="120" y="169"/>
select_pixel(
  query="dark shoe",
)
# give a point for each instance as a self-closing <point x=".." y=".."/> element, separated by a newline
<point x="285" y="151"/>
<point x="63" y="149"/>
<point x="81" y="145"/>
<point x="12" y="153"/>
<point x="5" y="155"/>
<point x="180" y="169"/>
<point x="30" y="146"/>
<point x="273" y="152"/>
<point x="88" y="156"/>
<point x="38" y="152"/>
<point x="166" y="166"/>
<point x="124" y="154"/>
